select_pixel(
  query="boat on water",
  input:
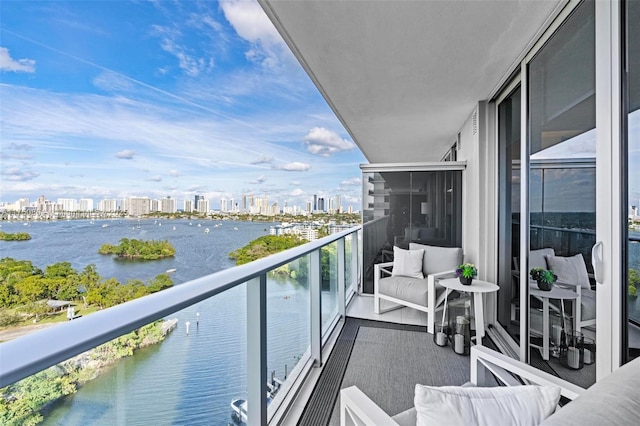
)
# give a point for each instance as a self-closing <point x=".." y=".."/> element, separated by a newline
<point x="171" y="271"/>
<point x="104" y="225"/>
<point x="207" y="230"/>
<point x="239" y="405"/>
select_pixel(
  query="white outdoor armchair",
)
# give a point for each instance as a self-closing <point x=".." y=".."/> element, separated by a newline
<point x="423" y="294"/>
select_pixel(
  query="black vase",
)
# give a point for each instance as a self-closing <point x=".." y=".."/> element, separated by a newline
<point x="465" y="281"/>
<point x="544" y="286"/>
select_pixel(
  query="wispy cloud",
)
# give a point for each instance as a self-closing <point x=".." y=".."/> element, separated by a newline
<point x="156" y="178"/>
<point x="188" y="60"/>
<point x="8" y="64"/>
<point x="259" y="180"/>
<point x="263" y="160"/>
<point x="297" y="192"/>
<point x="323" y="142"/>
<point x="354" y="181"/>
<point x="127" y="154"/>
<point x="16" y="174"/>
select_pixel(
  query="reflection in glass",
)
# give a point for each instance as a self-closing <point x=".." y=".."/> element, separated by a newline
<point x="633" y="170"/>
<point x="329" y="285"/>
<point x="561" y="129"/>
<point x="509" y="215"/>
<point x="406" y="207"/>
<point x="288" y="326"/>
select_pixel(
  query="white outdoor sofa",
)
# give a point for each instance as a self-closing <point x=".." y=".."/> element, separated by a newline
<point x="422" y="294"/>
<point x="611" y="401"/>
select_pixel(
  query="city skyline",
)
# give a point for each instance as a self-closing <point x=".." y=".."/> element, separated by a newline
<point x="246" y="203"/>
<point x="110" y="99"/>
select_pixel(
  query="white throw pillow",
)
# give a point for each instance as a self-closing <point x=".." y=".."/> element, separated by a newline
<point x="513" y="405"/>
<point x="570" y="270"/>
<point x="407" y="263"/>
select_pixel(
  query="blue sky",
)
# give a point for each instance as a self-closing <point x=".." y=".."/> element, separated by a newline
<point x="108" y="99"/>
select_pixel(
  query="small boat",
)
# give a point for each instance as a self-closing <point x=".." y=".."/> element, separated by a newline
<point x="206" y="230"/>
<point x="199" y="225"/>
<point x="235" y="228"/>
<point x="104" y="225"/>
<point x="174" y="228"/>
<point x="171" y="271"/>
<point x="239" y="405"/>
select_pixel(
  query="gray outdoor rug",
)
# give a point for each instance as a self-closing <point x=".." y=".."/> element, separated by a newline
<point x="385" y="361"/>
<point x="387" y="364"/>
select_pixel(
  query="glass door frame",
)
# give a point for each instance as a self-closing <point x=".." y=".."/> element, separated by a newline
<point x="610" y="181"/>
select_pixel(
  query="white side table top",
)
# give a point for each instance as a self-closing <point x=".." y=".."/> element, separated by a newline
<point x="555" y="292"/>
<point x="477" y="286"/>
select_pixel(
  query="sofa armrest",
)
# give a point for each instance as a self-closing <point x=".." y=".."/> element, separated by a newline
<point x="382" y="268"/>
<point x="356" y="408"/>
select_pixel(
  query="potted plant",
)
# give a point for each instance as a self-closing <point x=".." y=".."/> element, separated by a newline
<point x="545" y="278"/>
<point x="466" y="273"/>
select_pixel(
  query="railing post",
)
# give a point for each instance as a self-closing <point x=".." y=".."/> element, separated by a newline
<point x="257" y="350"/>
<point x="355" y="266"/>
<point x="315" y="287"/>
<point x="342" y="309"/>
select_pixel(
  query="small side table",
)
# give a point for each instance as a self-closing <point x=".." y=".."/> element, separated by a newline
<point x="556" y="292"/>
<point x="478" y="288"/>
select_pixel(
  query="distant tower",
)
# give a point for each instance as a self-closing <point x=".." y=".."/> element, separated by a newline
<point x="196" y="199"/>
<point x="315" y="202"/>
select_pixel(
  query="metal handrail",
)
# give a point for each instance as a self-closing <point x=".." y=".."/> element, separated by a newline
<point x="27" y="355"/>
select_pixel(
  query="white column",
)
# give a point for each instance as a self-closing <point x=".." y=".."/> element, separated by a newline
<point x="315" y="282"/>
<point x="257" y="350"/>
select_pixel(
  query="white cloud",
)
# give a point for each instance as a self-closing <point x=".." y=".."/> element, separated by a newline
<point x="297" y="192"/>
<point x="295" y="166"/>
<point x="156" y="178"/>
<point x="11" y="65"/>
<point x="354" y="181"/>
<point x="263" y="160"/>
<point x="294" y="183"/>
<point x="259" y="180"/>
<point x="17" y="175"/>
<point x="250" y="22"/>
<point x="174" y="173"/>
<point x="127" y="154"/>
<point x="323" y="142"/>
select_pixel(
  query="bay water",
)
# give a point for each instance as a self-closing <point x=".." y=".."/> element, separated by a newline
<point x="186" y="379"/>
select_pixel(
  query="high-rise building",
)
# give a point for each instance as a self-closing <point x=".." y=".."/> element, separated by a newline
<point x="315" y="202"/>
<point x="188" y="206"/>
<point x="196" y="199"/>
<point x="138" y="206"/>
<point x="244" y="203"/>
<point x="86" y="205"/>
<point x="223" y="205"/>
<point x="203" y="205"/>
<point x="320" y="206"/>
<point x="68" y="204"/>
<point x="309" y="208"/>
<point x="108" y="205"/>
<point x="168" y="205"/>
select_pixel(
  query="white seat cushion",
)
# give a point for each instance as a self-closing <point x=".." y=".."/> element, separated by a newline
<point x="412" y="290"/>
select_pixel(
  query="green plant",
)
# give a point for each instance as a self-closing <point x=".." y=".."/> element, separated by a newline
<point x="543" y="275"/>
<point x="467" y="270"/>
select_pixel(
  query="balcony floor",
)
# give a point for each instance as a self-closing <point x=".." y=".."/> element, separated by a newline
<point x="392" y="345"/>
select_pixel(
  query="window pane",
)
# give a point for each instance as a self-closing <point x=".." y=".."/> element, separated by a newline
<point x="633" y="140"/>
<point x="509" y="217"/>
<point x="562" y="192"/>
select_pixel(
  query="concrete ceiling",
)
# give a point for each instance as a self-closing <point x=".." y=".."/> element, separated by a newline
<point x="403" y="76"/>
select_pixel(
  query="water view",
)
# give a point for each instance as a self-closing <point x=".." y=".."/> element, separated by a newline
<point x="186" y="379"/>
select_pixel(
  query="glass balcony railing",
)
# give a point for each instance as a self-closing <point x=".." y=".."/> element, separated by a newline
<point x="244" y="340"/>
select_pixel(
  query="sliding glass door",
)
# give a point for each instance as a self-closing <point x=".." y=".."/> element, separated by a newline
<point x="547" y="203"/>
<point x="632" y="88"/>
